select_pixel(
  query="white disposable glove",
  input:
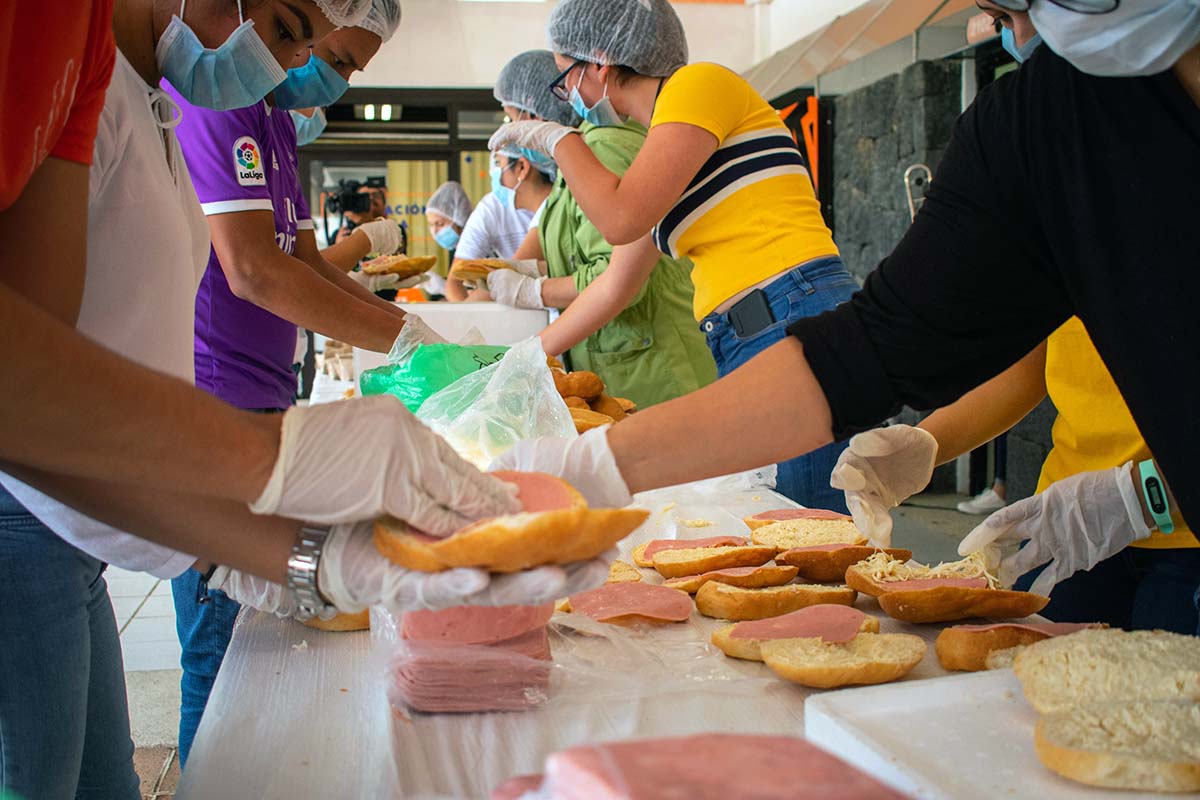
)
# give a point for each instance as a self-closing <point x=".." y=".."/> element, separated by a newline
<point x="414" y="334"/>
<point x="537" y="135"/>
<point x="353" y="575"/>
<point x="586" y="462"/>
<point x="363" y="458"/>
<point x="880" y="470"/>
<point x="511" y="288"/>
<point x="376" y="283"/>
<point x="1074" y="525"/>
<point x="384" y="235"/>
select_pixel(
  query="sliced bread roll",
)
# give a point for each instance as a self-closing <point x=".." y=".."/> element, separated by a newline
<point x="1109" y="665"/>
<point x="967" y="647"/>
<point x="679" y="563"/>
<point x="620" y="572"/>
<point x="764" y="518"/>
<point x="829" y="623"/>
<point x="643" y="554"/>
<point x="1146" y="746"/>
<point x="746" y="577"/>
<point x="792" y="533"/>
<point x="866" y="659"/>
<point x="342" y="623"/>
<point x="827" y="563"/>
<point x="721" y="601"/>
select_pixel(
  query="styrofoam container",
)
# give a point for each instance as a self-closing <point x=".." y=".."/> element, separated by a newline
<point x="498" y="323"/>
<point x="967" y="735"/>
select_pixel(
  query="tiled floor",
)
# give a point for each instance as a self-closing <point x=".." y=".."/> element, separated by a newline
<point x="146" y="620"/>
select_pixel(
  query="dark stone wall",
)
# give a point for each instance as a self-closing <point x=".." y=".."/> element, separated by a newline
<point x="879" y="131"/>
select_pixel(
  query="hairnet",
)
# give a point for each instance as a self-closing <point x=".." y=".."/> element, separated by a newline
<point x="539" y="161"/>
<point x="644" y="35"/>
<point x="525" y="83"/>
<point x="383" y="19"/>
<point x="451" y="201"/>
<point x="344" y="13"/>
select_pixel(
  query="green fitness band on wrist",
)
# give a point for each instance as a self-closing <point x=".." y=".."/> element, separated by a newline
<point x="1155" y="493"/>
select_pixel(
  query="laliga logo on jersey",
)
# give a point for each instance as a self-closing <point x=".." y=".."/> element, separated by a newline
<point x="248" y="162"/>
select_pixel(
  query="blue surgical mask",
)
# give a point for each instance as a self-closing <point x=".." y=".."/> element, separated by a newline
<point x="1136" y="38"/>
<point x="314" y="84"/>
<point x="602" y="115"/>
<point x="447" y="237"/>
<point x="1020" y="53"/>
<point x="506" y="196"/>
<point x="308" y="128"/>
<point x="237" y="74"/>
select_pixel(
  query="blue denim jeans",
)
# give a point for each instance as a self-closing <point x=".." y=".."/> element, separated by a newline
<point x="1136" y="589"/>
<point x="64" y="719"/>
<point x="808" y="290"/>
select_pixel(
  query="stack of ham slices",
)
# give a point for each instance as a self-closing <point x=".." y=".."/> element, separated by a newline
<point x="711" y="765"/>
<point x="473" y="659"/>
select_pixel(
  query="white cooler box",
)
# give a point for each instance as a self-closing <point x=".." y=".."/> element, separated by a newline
<point x="499" y="324"/>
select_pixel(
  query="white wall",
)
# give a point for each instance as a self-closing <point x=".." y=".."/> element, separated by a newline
<point x="791" y="20"/>
<point x="449" y="43"/>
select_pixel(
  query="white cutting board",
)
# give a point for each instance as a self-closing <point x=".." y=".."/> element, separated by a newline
<point x="964" y="736"/>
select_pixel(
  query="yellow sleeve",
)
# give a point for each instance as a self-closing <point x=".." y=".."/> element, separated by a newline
<point x="708" y="96"/>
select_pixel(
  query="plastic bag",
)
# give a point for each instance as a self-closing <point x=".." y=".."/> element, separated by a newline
<point x="489" y="411"/>
<point x="422" y="370"/>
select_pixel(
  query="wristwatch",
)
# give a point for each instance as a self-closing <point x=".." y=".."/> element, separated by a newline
<point x="1155" y="492"/>
<point x="302" y="567"/>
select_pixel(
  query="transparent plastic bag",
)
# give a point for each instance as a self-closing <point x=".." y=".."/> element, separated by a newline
<point x="484" y="414"/>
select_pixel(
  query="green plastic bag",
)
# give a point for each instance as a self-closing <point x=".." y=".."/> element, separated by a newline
<point x="431" y="368"/>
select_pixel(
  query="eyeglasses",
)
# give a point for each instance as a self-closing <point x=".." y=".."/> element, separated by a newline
<point x="1078" y="6"/>
<point x="558" y="87"/>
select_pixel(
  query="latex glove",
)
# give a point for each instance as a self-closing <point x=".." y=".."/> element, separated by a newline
<point x="363" y="458"/>
<point x="880" y="470"/>
<point x="511" y="288"/>
<point x="376" y="283"/>
<point x="586" y="462"/>
<point x="539" y="136"/>
<point x="384" y="235"/>
<point x="1073" y="525"/>
<point x="414" y="334"/>
<point x="353" y="575"/>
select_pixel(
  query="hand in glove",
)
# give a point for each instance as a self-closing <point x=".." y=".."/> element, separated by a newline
<point x="363" y="458"/>
<point x="384" y="235"/>
<point x="536" y="135"/>
<point x="414" y="334"/>
<point x="585" y="462"/>
<point x="880" y="470"/>
<point x="1073" y="525"/>
<point x="376" y="283"/>
<point x="511" y="288"/>
<point x="353" y="575"/>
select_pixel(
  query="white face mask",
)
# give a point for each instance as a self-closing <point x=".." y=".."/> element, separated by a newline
<point x="1140" y="37"/>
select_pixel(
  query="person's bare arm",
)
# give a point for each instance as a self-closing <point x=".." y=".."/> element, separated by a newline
<point x="531" y="247"/>
<point x="990" y="409"/>
<point x="216" y="531"/>
<point x="347" y="251"/>
<point x="768" y="410"/>
<point x="74" y="407"/>
<point x="625" y="209"/>
<point x="308" y="252"/>
<point x="260" y="273"/>
<point x="604" y="298"/>
<point x="456" y="290"/>
<point x="559" y="292"/>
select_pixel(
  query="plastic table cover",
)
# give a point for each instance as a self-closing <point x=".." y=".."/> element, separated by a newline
<point x="298" y="713"/>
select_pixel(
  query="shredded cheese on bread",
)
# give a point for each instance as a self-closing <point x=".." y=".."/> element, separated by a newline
<point x="883" y="568"/>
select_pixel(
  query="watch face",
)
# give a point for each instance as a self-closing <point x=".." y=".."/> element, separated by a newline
<point x="1154" y="496"/>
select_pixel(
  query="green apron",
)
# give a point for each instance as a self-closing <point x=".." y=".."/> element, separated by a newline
<point x="653" y="351"/>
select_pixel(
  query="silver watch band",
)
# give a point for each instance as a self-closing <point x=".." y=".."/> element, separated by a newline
<point x="302" y="570"/>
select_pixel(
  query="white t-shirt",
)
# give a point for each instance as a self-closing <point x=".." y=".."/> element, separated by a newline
<point x="148" y="245"/>
<point x="493" y="230"/>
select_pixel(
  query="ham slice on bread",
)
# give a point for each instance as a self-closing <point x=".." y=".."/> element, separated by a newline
<point x="827" y="563"/>
<point x="643" y="554"/>
<point x="721" y="601"/>
<point x="556" y="527"/>
<point x="830" y="623"/>
<point x="793" y="533"/>
<point x="967" y="647"/>
<point x="679" y="563"/>
<point x="626" y="603"/>
<point x="710" y="765"/>
<point x="913" y="592"/>
<point x="780" y="514"/>
<point x="746" y="577"/>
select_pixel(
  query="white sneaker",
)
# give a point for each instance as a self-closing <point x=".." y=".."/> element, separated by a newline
<point x="984" y="503"/>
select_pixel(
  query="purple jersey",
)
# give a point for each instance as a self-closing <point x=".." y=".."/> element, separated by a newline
<point x="243" y="160"/>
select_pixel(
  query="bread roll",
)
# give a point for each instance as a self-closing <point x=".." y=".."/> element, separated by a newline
<point x="868" y="658"/>
<point x="721" y="601"/>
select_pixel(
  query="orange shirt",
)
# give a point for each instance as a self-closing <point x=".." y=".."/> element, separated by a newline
<point x="57" y="58"/>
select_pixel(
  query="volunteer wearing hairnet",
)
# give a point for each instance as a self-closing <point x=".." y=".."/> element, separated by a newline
<point x="651" y="350"/>
<point x="956" y="302"/>
<point x="719" y="180"/>
<point x="64" y="725"/>
<point x="446" y="213"/>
